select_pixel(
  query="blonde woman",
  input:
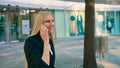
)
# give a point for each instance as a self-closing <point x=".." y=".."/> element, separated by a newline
<point x="39" y="48"/>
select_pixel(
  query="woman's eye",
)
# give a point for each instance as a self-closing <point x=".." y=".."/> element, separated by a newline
<point x="48" y="21"/>
<point x="52" y="20"/>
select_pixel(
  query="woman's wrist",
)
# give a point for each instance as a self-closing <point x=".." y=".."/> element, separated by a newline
<point x="46" y="42"/>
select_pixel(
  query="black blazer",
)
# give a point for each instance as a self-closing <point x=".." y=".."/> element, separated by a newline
<point x="33" y="49"/>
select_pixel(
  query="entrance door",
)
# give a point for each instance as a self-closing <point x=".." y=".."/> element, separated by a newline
<point x="14" y="24"/>
<point x="2" y="28"/>
<point x="9" y="24"/>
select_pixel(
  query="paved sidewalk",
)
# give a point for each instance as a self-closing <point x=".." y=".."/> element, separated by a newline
<point x="69" y="53"/>
<point x="112" y="57"/>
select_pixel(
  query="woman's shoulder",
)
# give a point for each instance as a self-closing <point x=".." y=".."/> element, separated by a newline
<point x="30" y="38"/>
<point x="34" y="39"/>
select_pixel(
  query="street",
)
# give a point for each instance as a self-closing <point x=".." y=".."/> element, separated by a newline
<point x="69" y="53"/>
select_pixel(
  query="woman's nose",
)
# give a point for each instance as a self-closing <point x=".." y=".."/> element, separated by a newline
<point x="52" y="23"/>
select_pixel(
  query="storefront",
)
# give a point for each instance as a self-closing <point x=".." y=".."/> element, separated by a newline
<point x="16" y="22"/>
<point x="107" y="22"/>
<point x="11" y="19"/>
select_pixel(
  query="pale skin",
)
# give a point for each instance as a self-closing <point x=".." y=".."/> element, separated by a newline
<point x="47" y="27"/>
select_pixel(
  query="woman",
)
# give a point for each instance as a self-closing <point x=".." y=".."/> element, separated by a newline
<point x="38" y="48"/>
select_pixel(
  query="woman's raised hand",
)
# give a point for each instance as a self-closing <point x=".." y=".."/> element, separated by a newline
<point x="44" y="33"/>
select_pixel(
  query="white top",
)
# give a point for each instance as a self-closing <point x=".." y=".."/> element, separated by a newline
<point x="50" y="49"/>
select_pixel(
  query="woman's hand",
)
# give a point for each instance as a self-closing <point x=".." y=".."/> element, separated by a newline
<point x="44" y="33"/>
<point x="45" y="37"/>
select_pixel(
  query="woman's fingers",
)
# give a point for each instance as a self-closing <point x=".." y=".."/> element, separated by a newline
<point x="43" y="29"/>
<point x="44" y="32"/>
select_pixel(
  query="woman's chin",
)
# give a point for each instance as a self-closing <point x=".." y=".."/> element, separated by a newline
<point x="51" y="31"/>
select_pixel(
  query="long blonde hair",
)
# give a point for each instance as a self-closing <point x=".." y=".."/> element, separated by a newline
<point x="38" y="21"/>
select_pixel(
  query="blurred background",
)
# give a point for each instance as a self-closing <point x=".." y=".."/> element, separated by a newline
<point x="17" y="19"/>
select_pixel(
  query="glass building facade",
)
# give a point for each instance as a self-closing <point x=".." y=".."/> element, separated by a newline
<point x="107" y="22"/>
<point x="11" y="19"/>
<point x="16" y="22"/>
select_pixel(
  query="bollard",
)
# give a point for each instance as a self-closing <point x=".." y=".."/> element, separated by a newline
<point x="101" y="45"/>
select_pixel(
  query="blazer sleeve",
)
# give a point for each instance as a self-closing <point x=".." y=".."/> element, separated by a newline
<point x="33" y="55"/>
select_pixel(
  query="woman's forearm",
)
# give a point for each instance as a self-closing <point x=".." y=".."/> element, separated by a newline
<point x="45" y="56"/>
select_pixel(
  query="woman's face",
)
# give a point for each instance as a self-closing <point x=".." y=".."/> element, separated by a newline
<point x="49" y="23"/>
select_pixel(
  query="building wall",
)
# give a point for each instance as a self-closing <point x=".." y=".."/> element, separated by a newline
<point x="66" y="23"/>
<point x="117" y="23"/>
<point x="59" y="23"/>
